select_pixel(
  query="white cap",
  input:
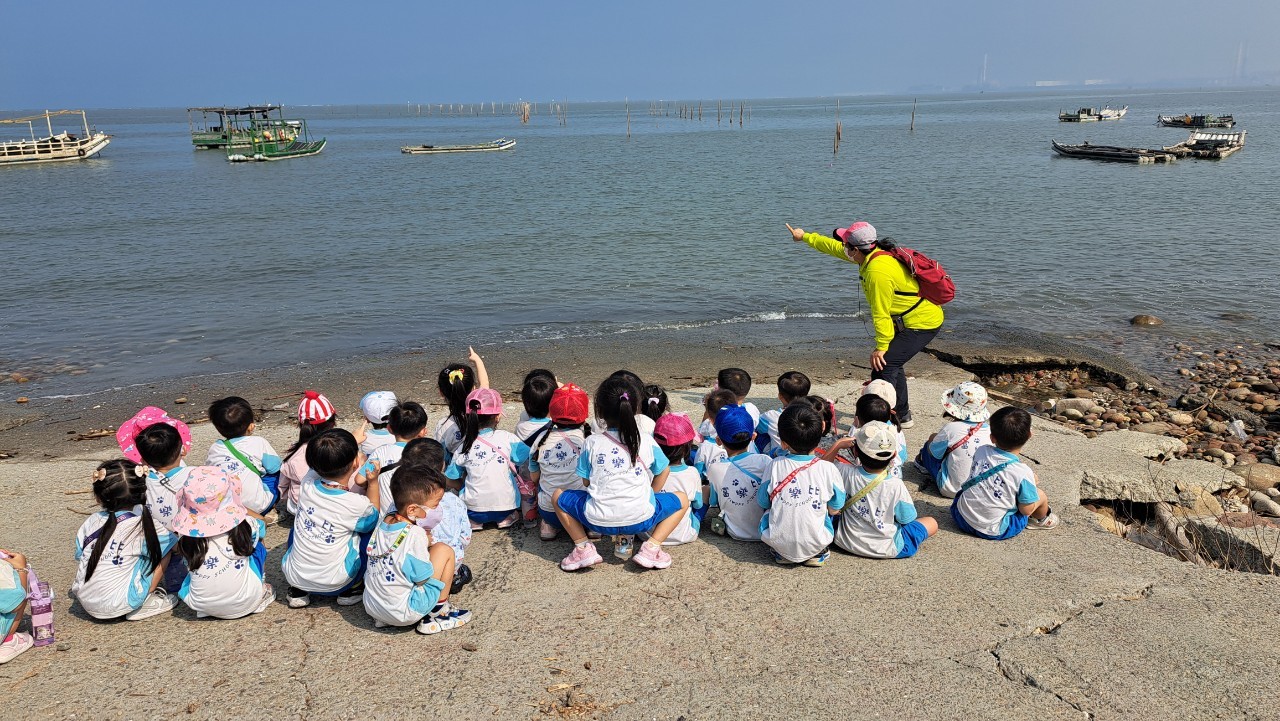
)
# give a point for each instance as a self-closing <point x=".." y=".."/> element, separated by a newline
<point x="877" y="439"/>
<point x="884" y="389"/>
<point x="376" y="405"/>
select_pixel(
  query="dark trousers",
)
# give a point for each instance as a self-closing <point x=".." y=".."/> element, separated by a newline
<point x="905" y="345"/>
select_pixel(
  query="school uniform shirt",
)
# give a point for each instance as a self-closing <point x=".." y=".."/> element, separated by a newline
<point x="225" y="585"/>
<point x="324" y="549"/>
<point x="688" y="481"/>
<point x="557" y="461"/>
<point x="709" y="453"/>
<point x="989" y="505"/>
<point x="122" y="579"/>
<point x="767" y="439"/>
<point x="490" y="483"/>
<point x="735" y="483"/>
<point x="754" y="412"/>
<point x="374" y="439"/>
<point x="643" y="422"/>
<point x="12" y="594"/>
<point x="398" y="585"/>
<point x="384" y="456"/>
<point x="525" y="429"/>
<point x="292" y="474"/>
<point x="795" y="523"/>
<point x="871" y="527"/>
<point x="449" y="434"/>
<point x="162" y="493"/>
<point x="454" y="527"/>
<point x="956" y="465"/>
<point x="253" y="493"/>
<point x="621" y="489"/>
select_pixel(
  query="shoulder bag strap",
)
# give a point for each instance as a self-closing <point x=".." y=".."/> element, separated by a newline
<point x="791" y="477"/>
<point x="94" y="536"/>
<point x="984" y="476"/>
<point x="972" y="431"/>
<point x="749" y="474"/>
<point x="867" y="489"/>
<point x="505" y="458"/>
<point x="244" y="460"/>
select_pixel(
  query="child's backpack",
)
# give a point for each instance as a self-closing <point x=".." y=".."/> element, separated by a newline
<point x="935" y="285"/>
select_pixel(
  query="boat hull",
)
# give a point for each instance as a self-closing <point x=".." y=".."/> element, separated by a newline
<point x="1113" y="153"/>
<point x="270" y="153"/>
<point x="52" y="150"/>
<point x="497" y="145"/>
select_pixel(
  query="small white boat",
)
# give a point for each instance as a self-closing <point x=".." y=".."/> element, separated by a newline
<point x="499" y="144"/>
<point x="54" y="147"/>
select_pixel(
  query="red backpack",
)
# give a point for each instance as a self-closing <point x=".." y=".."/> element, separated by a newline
<point x="935" y="285"/>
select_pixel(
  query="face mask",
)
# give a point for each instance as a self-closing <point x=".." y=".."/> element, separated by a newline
<point x="432" y="519"/>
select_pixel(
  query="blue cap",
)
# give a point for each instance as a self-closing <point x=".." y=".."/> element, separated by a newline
<point x="734" y="421"/>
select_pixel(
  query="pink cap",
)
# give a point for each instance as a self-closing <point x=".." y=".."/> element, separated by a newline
<point x="148" y="416"/>
<point x="485" y="401"/>
<point x="674" y="429"/>
<point x="208" y="504"/>
<point x="861" y="235"/>
<point x="314" y="409"/>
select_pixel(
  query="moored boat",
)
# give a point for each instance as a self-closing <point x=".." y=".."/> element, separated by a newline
<point x="54" y="147"/>
<point x="274" y="139"/>
<point x="1196" y="121"/>
<point x="499" y="144"/>
<point x="1088" y="115"/>
<point x="1114" y="153"/>
<point x="1209" y="144"/>
<point x="217" y="131"/>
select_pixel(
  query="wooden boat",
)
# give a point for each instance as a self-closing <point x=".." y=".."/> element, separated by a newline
<point x="1196" y="121"/>
<point x="1088" y="115"/>
<point x="499" y="144"/>
<point x="216" y="132"/>
<point x="1209" y="144"/>
<point x="274" y="139"/>
<point x="1114" y="153"/>
<point x="54" y="147"/>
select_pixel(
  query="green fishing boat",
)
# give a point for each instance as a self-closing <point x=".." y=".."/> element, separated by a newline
<point x="214" y="127"/>
<point x="273" y="139"/>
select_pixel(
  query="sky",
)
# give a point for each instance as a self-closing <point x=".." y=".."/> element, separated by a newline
<point x="147" y="53"/>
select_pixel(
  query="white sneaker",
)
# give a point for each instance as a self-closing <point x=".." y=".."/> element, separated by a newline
<point x="268" y="598"/>
<point x="447" y="619"/>
<point x="299" y="598"/>
<point x="14" y="647"/>
<point x="1050" y="521"/>
<point x="157" y="603"/>
<point x="379" y="624"/>
<point x="904" y="425"/>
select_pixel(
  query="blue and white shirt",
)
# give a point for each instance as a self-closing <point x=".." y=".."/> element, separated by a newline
<point x="398" y="585"/>
<point x="688" y="481"/>
<point x="956" y="466"/>
<point x="385" y="455"/>
<point x="162" y="493"/>
<point x="525" y="428"/>
<point x="557" y="462"/>
<point x="872" y="526"/>
<point x="374" y="439"/>
<point x="454" y="528"/>
<point x="122" y="579"/>
<point x="709" y="452"/>
<point x="735" y="485"/>
<point x="226" y="585"/>
<point x="795" y="523"/>
<point x="989" y="505"/>
<point x="324" y="552"/>
<point x="253" y="493"/>
<point x="449" y="434"/>
<point x="621" y="489"/>
<point x="767" y="439"/>
<point x="490" y="483"/>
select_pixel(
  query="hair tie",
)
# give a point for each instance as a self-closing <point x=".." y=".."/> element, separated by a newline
<point x="100" y="474"/>
<point x="625" y="396"/>
<point x="654" y="401"/>
<point x="456" y="375"/>
<point x="140" y="470"/>
<point x="474" y="405"/>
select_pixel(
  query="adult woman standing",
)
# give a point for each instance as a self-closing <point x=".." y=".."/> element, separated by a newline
<point x="904" y="321"/>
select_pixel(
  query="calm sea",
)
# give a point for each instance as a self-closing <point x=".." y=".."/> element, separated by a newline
<point x="157" y="260"/>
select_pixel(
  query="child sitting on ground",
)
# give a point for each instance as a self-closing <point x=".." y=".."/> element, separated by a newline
<point x="826" y="411"/>
<point x="675" y="436"/>
<point x="709" y="451"/>
<point x="123" y="550"/>
<point x="870" y="408"/>
<point x="315" y="416"/>
<point x="455" y="382"/>
<point x="165" y="453"/>
<point x="406" y="422"/>
<point x="735" y="484"/>
<point x="450" y="524"/>
<point x="405" y="582"/>
<point x="1001" y="498"/>
<point x="791" y="385"/>
<point x="375" y="406"/>
<point x="325" y="555"/>
<point x="948" y="454"/>
<point x="656" y="403"/>
<point x="879" y="519"/>
<point x="621" y="468"/>
<point x="553" y="455"/>
<point x="487" y="462"/>
<point x="800" y="492"/>
<point x="15" y="586"/>
<point x="221" y="542"/>
<point x="535" y="396"/>
<point x="636" y="391"/>
<point x="250" y="458"/>
<point x="738" y="381"/>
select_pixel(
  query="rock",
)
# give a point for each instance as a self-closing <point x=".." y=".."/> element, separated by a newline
<point x="1082" y="405"/>
<point x="1131" y="386"/>
<point x="1080" y="393"/>
<point x="1146" y="481"/>
<point x="469" y="647"/>
<point x="180" y="401"/>
<point x="1061" y="385"/>
<point x="1273" y="492"/>
<point x="1073" y="414"/>
<point x="1200" y="502"/>
<point x="1182" y="419"/>
<point x="1151" y="427"/>
<point x="1147" y="320"/>
<point x="1258" y="476"/>
<point x="23" y="399"/>
<point x="1147" y="445"/>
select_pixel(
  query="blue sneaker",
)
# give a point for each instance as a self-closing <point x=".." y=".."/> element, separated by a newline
<point x="446" y="619"/>
<point x="818" y="560"/>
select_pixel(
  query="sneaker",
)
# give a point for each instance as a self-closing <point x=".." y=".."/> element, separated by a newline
<point x="1049" y="522"/>
<point x="546" y="531"/>
<point x="718" y="526"/>
<point x="298" y="598"/>
<point x="271" y="518"/>
<point x="268" y="598"/>
<point x="379" y="624"/>
<point x="461" y="577"/>
<point x="581" y="557"/>
<point x="818" y="560"/>
<point x="14" y="647"/>
<point x="652" y="556"/>
<point x="593" y="536"/>
<point x="780" y="560"/>
<point x="920" y="467"/>
<point x="477" y="526"/>
<point x="905" y="423"/>
<point x="446" y="619"/>
<point x="352" y="596"/>
<point x="510" y="520"/>
<point x="157" y="603"/>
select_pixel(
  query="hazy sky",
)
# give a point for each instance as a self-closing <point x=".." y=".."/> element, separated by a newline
<point x="133" y="53"/>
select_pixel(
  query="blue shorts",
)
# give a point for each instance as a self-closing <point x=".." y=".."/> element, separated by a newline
<point x="912" y="535"/>
<point x="489" y="516"/>
<point x="271" y="481"/>
<point x="1017" y="522"/>
<point x="931" y="464"/>
<point x="551" y="519"/>
<point x="574" y="503"/>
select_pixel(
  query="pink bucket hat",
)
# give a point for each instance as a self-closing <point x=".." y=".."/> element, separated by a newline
<point x="141" y="420"/>
<point x="968" y="402"/>
<point x="209" y="504"/>
<point x="314" y="409"/>
<point x="674" y="429"/>
<point x="861" y="235"/>
<point x="485" y="401"/>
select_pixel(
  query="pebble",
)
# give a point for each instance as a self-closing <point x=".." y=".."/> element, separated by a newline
<point x="1148" y="320"/>
<point x="23" y="399"/>
<point x="180" y="401"/>
<point x="63" y="646"/>
<point x="469" y="647"/>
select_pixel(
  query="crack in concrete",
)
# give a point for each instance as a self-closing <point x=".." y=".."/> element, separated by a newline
<point x="299" y="675"/>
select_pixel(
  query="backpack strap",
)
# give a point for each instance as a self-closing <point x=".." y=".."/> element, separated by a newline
<point x="972" y="431"/>
<point x="747" y="473"/>
<point x="505" y="458"/>
<point x="791" y="477"/>
<point x="866" y="490"/>
<point x="94" y="536"/>
<point x="984" y="476"/>
<point x="244" y="460"/>
<point x="910" y="271"/>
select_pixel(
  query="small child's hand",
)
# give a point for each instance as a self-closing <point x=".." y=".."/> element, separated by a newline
<point x="15" y="559"/>
<point x="843" y="443"/>
<point x="362" y="432"/>
<point x="473" y="356"/>
<point x="371" y="471"/>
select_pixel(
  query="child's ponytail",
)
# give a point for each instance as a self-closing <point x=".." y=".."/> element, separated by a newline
<point x="470" y="424"/>
<point x="120" y="485"/>
<point x="616" y="402"/>
<point x="627" y="427"/>
<point x="455" y="381"/>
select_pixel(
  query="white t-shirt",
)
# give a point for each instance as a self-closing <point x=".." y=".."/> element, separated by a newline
<point x="955" y="467"/>
<point x="795" y="523"/>
<point x="871" y="526"/>
<point x="643" y="422"/>
<point x="709" y="452"/>
<point x="449" y="434"/>
<point x="385" y="455"/>
<point x="490" y="484"/>
<point x="735" y="483"/>
<point x="253" y="494"/>
<point x="225" y="585"/>
<point x="767" y="439"/>
<point x="324" y="556"/>
<point x="162" y="493"/>
<point x="688" y="481"/>
<point x="374" y="439"/>
<point x="754" y="412"/>
<point x="899" y="459"/>
<point x="557" y="461"/>
<point x="122" y="579"/>
<point x="398" y="585"/>
<point x="621" y="490"/>
<point x="989" y="505"/>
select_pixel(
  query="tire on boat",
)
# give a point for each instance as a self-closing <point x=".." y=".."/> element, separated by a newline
<point x="80" y="152"/>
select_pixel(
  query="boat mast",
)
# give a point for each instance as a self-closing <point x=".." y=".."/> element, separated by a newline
<point x="85" y="119"/>
<point x="49" y="119"/>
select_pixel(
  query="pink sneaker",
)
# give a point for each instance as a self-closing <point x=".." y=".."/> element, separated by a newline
<point x="511" y="520"/>
<point x="581" y="557"/>
<point x="546" y="531"/>
<point x="651" y="556"/>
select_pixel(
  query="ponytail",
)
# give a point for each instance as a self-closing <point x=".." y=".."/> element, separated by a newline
<point x="118" y="486"/>
<point x="885" y="243"/>
<point x="627" y="427"/>
<point x="193" y="550"/>
<point x="154" y="556"/>
<point x="455" y="381"/>
<point x="470" y="425"/>
<point x="306" y="432"/>
<point x="104" y="540"/>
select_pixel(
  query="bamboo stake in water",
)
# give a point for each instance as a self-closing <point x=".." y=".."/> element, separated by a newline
<point x="628" y="101"/>
<point x="912" y="129"/>
<point x="836" y="150"/>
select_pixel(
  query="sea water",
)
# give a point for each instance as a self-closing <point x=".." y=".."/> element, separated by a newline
<point x="157" y="260"/>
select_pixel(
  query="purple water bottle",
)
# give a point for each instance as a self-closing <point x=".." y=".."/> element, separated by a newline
<point x="41" y="613"/>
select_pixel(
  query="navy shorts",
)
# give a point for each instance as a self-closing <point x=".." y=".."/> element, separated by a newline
<point x="489" y="516"/>
<point x="551" y="519"/>
<point x="912" y="535"/>
<point x="1017" y="522"/>
<point x="574" y="503"/>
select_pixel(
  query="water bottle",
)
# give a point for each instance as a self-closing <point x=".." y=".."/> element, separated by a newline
<point x="42" y="615"/>
<point x="622" y="547"/>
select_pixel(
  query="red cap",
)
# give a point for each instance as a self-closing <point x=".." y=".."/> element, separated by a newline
<point x="569" y="405"/>
<point x="314" y="409"/>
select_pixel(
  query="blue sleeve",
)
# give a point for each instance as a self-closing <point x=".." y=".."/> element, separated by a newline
<point x="715" y="497"/>
<point x="416" y="569"/>
<point x="367" y="520"/>
<point x="938" y="448"/>
<point x="366" y="468"/>
<point x="904" y="513"/>
<point x="838" y="497"/>
<point x="11" y="598"/>
<point x="519" y="453"/>
<point x="762" y="496"/>
<point x="453" y="472"/>
<point x="75" y="543"/>
<point x="259" y="529"/>
<point x="271" y="463"/>
<point x="533" y="463"/>
<point x="660" y="462"/>
<point x="902" y="453"/>
<point x="697" y="500"/>
<point x="584" y="465"/>
<point x="167" y="540"/>
<point x="1027" y="492"/>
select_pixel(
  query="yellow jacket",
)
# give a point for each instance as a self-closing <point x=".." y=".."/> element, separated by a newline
<point x="883" y="278"/>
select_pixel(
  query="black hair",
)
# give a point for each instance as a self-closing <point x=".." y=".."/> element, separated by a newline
<point x="677" y="455"/>
<point x="413" y="483"/>
<point x="800" y="427"/>
<point x="872" y="407"/>
<point x="869" y="463"/>
<point x="159" y="445"/>
<point x="421" y="452"/>
<point x="473" y="422"/>
<point x="407" y="419"/>
<point x="193" y="549"/>
<point x="536" y="393"/>
<point x="739" y="443"/>
<point x="455" y="391"/>
<point x="1010" y="428"/>
<point x="331" y="453"/>
<point x="616" y="402"/>
<point x="655" y="401"/>
<point x="232" y="416"/>
<point x="637" y="387"/>
<point x="736" y="380"/>
<point x="120" y="489"/>
<point x="307" y="431"/>
<point x="540" y="436"/>
<point x="825" y="410"/>
<point x="793" y="385"/>
<point x="718" y="399"/>
<point x="885" y="243"/>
